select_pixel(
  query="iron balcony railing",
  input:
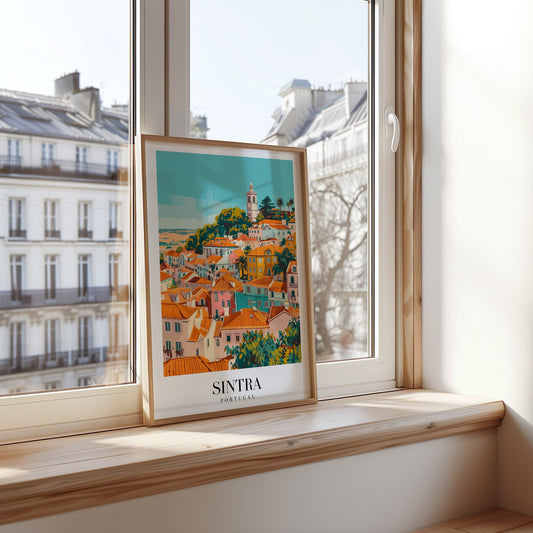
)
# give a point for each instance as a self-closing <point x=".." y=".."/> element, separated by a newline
<point x="15" y="233"/>
<point x="114" y="233"/>
<point x="84" y="233"/>
<point x="54" y="297"/>
<point x="52" y="234"/>
<point x="63" y="168"/>
<point x="63" y="359"/>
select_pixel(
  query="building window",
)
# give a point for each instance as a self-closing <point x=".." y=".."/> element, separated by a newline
<point x="47" y="155"/>
<point x="178" y="347"/>
<point x="84" y="221"/>
<point x="218" y="342"/>
<point x="237" y="338"/>
<point x="50" y="277"/>
<point x="13" y="153"/>
<point x="51" y="226"/>
<point x="84" y="336"/>
<point x="113" y="219"/>
<point x="177" y="327"/>
<point x="113" y="272"/>
<point x="114" y="334"/>
<point x="85" y="381"/>
<point x="168" y="346"/>
<point x="17" y="218"/>
<point x="82" y="166"/>
<point x="167" y="326"/>
<point x="84" y="273"/>
<point x="112" y="160"/>
<point x="51" y="334"/>
<point x="17" y="340"/>
<point x="228" y="338"/>
<point x="17" y="265"/>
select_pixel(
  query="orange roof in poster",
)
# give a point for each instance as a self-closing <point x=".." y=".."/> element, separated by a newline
<point x="221" y="242"/>
<point x="278" y="286"/>
<point x="246" y="318"/>
<point x="292" y="264"/>
<point x="172" y="253"/>
<point x="276" y="310"/>
<point x="164" y="276"/>
<point x="218" y="327"/>
<point x="176" y="311"/>
<point x="194" y="365"/>
<point x="261" y="250"/>
<point x="264" y="282"/>
<point x="214" y="258"/>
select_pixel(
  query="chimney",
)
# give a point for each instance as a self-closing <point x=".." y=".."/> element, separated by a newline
<point x="88" y="102"/>
<point x="67" y="84"/>
<point x="353" y="92"/>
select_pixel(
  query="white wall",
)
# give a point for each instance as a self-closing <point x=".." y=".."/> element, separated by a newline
<point x="389" y="491"/>
<point x="478" y="217"/>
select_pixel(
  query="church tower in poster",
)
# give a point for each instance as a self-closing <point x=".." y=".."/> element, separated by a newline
<point x="251" y="204"/>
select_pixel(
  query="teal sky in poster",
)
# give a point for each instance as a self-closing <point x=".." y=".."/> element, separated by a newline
<point x="193" y="188"/>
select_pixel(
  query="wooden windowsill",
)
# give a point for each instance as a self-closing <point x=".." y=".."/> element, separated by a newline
<point x="57" y="475"/>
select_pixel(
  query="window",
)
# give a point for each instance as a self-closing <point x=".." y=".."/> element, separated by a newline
<point x="47" y="155"/>
<point x="167" y="326"/>
<point x="113" y="272"/>
<point x="113" y="217"/>
<point x="17" y="268"/>
<point x="178" y="347"/>
<point x="59" y="313"/>
<point x="84" y="273"/>
<point x="17" y="341"/>
<point x="17" y="218"/>
<point x="51" y="333"/>
<point x="81" y="159"/>
<point x="112" y="160"/>
<point x="171" y="115"/>
<point x="13" y="153"/>
<point x="350" y="163"/>
<point x="84" y="221"/>
<point x="177" y="327"/>
<point x="84" y="338"/>
<point x="51" y="226"/>
<point x="228" y="338"/>
<point x="50" y="277"/>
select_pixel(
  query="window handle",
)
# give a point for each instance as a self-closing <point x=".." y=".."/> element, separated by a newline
<point x="392" y="120"/>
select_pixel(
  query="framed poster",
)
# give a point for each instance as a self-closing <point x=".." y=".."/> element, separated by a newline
<point x="229" y="304"/>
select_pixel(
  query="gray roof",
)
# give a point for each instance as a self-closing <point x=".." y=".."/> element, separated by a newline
<point x="51" y="116"/>
<point x="330" y="120"/>
<point x="295" y="84"/>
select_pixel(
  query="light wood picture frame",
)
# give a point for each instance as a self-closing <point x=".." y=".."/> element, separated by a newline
<point x="229" y="325"/>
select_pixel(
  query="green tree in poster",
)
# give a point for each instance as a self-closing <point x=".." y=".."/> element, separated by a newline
<point x="232" y="221"/>
<point x="258" y="349"/>
<point x="266" y="208"/>
<point x="279" y="203"/>
<point x="284" y="258"/>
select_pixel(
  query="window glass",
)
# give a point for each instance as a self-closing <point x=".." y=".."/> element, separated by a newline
<point x="298" y="78"/>
<point x="64" y="156"/>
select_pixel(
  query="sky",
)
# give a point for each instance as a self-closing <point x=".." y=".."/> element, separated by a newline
<point x="242" y="52"/>
<point x="193" y="188"/>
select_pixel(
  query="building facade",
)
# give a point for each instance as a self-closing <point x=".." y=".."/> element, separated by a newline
<point x="333" y="126"/>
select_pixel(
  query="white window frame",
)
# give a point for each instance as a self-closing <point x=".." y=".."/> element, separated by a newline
<point x="378" y="373"/>
<point x="162" y="83"/>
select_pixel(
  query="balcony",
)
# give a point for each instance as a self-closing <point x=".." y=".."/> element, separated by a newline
<point x="114" y="233"/>
<point x="84" y="233"/>
<point x="62" y="168"/>
<point x="15" y="233"/>
<point x="63" y="359"/>
<point x="52" y="234"/>
<point x="44" y="298"/>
